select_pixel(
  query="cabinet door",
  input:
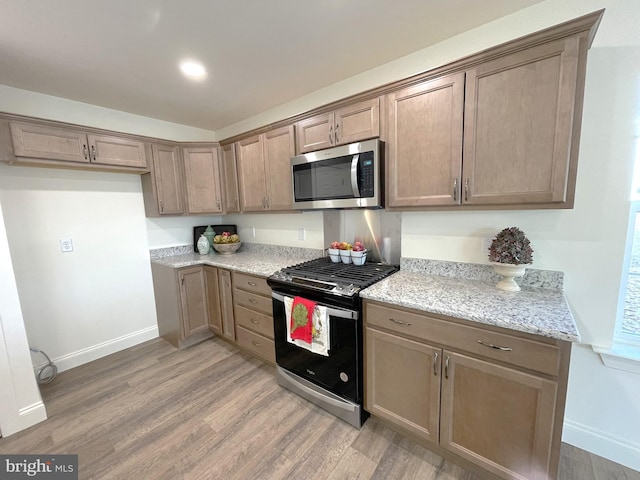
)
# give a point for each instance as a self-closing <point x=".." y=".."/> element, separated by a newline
<point x="279" y="147"/>
<point x="402" y="382"/>
<point x="36" y="141"/>
<point x="202" y="180"/>
<point x="213" y="299"/>
<point x="251" y="174"/>
<point x="357" y="122"/>
<point x="231" y="197"/>
<point x="166" y="166"/>
<point x="425" y="143"/>
<point x="519" y="121"/>
<point x="123" y="152"/>
<point x="226" y="304"/>
<point x="315" y="133"/>
<point x="497" y="417"/>
<point x="193" y="302"/>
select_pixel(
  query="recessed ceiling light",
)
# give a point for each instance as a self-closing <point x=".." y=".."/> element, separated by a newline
<point x="193" y="70"/>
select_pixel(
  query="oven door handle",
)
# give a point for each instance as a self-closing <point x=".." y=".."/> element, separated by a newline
<point x="333" y="312"/>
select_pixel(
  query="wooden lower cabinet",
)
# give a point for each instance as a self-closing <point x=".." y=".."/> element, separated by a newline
<point x="496" y="417"/>
<point x="403" y="382"/>
<point x="226" y="305"/>
<point x="254" y="315"/>
<point x="493" y="416"/>
<point x="181" y="304"/>
<point x="213" y="299"/>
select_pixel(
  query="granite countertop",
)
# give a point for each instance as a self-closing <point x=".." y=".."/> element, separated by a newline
<point x="532" y="310"/>
<point x="256" y="262"/>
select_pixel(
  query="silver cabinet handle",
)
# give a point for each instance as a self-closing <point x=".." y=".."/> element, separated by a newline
<point x="497" y="347"/>
<point x="253" y="301"/>
<point x="254" y="321"/>
<point x="253" y="284"/>
<point x="466" y="190"/>
<point x="435" y="364"/>
<point x="219" y="208"/>
<point x="336" y="133"/>
<point x="455" y="189"/>
<point x="446" y="368"/>
<point x="162" y="205"/>
<point x="93" y="153"/>
<point x="85" y="152"/>
<point x="256" y="344"/>
<point x="399" y="322"/>
<point x="237" y="204"/>
<point x="331" y="135"/>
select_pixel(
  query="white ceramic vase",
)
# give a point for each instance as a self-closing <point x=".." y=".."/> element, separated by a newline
<point x="203" y="245"/>
<point x="509" y="273"/>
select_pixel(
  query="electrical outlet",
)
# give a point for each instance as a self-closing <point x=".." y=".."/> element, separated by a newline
<point x="302" y="234"/>
<point x="253" y="231"/>
<point x="66" y="245"/>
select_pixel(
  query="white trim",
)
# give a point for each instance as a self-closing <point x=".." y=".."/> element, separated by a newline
<point x="86" y="355"/>
<point x="621" y="356"/>
<point x="616" y="449"/>
<point x="26" y="417"/>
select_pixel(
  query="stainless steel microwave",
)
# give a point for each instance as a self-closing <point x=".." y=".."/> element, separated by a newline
<point x="348" y="176"/>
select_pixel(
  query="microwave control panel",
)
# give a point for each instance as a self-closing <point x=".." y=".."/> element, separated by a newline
<point x="366" y="175"/>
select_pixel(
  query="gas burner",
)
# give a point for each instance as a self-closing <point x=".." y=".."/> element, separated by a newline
<point x="337" y="278"/>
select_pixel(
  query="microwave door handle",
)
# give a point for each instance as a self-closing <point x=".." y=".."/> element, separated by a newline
<point x="354" y="176"/>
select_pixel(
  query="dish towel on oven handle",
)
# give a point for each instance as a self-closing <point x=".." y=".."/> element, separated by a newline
<point x="318" y="325"/>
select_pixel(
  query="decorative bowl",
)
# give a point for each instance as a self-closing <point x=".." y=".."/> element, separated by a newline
<point x="358" y="258"/>
<point x="226" y="248"/>
<point x="345" y="256"/>
<point x="334" y="255"/>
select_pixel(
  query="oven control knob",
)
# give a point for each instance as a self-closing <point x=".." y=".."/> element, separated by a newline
<point x="344" y="377"/>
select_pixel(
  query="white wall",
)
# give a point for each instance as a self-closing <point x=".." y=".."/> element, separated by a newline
<point x="172" y="231"/>
<point x="98" y="299"/>
<point x="20" y="402"/>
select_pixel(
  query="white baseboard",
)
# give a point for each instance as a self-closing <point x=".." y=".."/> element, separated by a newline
<point x="616" y="449"/>
<point x="27" y="417"/>
<point x="86" y="355"/>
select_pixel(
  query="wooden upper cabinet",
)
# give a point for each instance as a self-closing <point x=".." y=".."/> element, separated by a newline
<point x="202" y="180"/>
<point x="279" y="147"/>
<point x="498" y="418"/>
<point x="425" y="143"/>
<point x="251" y="174"/>
<point x="264" y="170"/>
<point x="168" y="179"/>
<point x="230" y="179"/>
<point x="352" y="123"/>
<point x="522" y="123"/>
<point x="123" y="152"/>
<point x="37" y="141"/>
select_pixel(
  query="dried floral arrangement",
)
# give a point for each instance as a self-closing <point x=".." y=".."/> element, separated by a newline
<point x="511" y="246"/>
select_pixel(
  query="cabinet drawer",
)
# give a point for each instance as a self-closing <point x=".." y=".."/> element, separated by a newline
<point x="257" y="322"/>
<point x="522" y="352"/>
<point x="251" y="283"/>
<point x="252" y="301"/>
<point x="257" y="344"/>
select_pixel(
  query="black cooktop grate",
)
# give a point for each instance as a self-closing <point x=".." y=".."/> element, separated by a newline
<point x="324" y="269"/>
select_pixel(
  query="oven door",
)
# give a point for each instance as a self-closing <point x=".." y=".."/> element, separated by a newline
<point x="340" y="371"/>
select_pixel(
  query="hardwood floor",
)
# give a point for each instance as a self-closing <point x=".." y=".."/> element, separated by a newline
<point x="212" y="412"/>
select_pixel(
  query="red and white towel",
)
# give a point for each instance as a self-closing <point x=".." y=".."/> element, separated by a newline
<point x="307" y="325"/>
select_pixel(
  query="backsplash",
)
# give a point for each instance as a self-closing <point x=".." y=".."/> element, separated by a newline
<point x="548" y="279"/>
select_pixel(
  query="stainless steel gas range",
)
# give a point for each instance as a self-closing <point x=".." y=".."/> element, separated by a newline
<point x="332" y="380"/>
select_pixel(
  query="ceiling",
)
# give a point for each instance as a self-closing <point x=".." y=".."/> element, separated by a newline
<point x="259" y="54"/>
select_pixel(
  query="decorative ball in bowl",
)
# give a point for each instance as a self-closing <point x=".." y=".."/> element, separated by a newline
<point x="226" y="248"/>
